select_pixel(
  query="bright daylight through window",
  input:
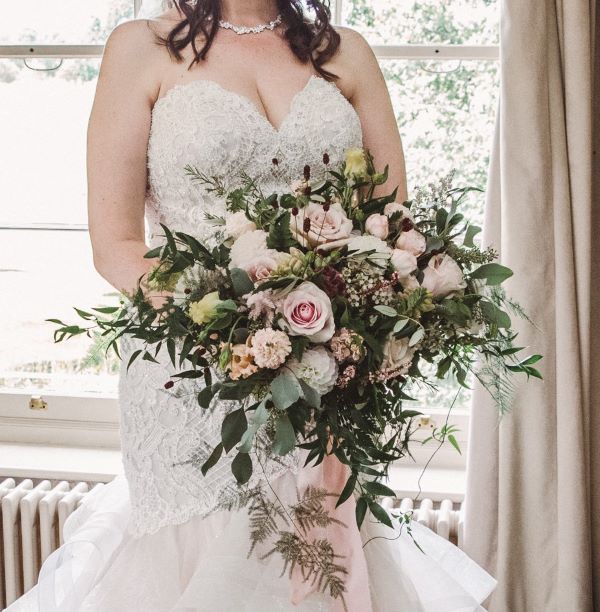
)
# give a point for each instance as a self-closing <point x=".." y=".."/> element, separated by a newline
<point x="444" y="98"/>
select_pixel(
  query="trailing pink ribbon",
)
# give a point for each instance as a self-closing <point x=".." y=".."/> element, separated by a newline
<point x="331" y="475"/>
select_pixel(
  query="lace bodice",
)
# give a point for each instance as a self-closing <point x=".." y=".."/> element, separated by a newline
<point x="165" y="435"/>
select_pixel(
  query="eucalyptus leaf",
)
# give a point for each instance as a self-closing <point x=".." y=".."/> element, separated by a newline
<point x="388" y="311"/>
<point x="285" y="437"/>
<point x="312" y="397"/>
<point x="241" y="281"/>
<point x="494" y="315"/>
<point x="285" y="390"/>
<point x="233" y="428"/>
<point x="492" y="273"/>
<point x="212" y="459"/>
<point x="416" y="337"/>
<point x="241" y="466"/>
<point x="400" y="325"/>
<point x="472" y="231"/>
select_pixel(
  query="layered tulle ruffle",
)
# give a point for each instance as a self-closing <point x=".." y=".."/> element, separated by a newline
<point x="202" y="566"/>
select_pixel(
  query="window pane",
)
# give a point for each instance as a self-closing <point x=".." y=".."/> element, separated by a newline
<point x="43" y="122"/>
<point x="446" y="120"/>
<point x="44" y="274"/>
<point x="61" y="21"/>
<point x="459" y="22"/>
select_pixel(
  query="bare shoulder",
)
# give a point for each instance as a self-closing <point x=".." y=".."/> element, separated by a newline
<point x="130" y="37"/>
<point x="354" y="60"/>
<point x="354" y="46"/>
<point x="132" y="52"/>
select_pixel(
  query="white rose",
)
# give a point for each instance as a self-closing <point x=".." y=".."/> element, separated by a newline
<point x="365" y="243"/>
<point x="443" y="276"/>
<point x="404" y="262"/>
<point x="328" y="229"/>
<point x="412" y="241"/>
<point x="397" y="354"/>
<point x="248" y="245"/>
<point x="318" y="369"/>
<point x="238" y="224"/>
<point x="393" y="207"/>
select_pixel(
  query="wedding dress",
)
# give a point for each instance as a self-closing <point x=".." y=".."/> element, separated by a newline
<point x="159" y="539"/>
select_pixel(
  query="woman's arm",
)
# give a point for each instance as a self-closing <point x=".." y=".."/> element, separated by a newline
<point x="362" y="81"/>
<point x="116" y="154"/>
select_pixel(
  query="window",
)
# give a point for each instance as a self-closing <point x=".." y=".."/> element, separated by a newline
<point x="438" y="57"/>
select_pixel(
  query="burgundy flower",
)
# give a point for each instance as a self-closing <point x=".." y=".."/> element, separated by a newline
<point x="407" y="224"/>
<point x="295" y="211"/>
<point x="326" y="206"/>
<point x="333" y="282"/>
<point x="169" y="384"/>
<point x="275" y="161"/>
<point x="306" y="225"/>
<point x="306" y="172"/>
<point x="325" y="158"/>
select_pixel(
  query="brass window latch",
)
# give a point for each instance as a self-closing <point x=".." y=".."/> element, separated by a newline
<point x="36" y="402"/>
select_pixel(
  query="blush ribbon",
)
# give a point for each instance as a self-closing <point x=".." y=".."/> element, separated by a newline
<point x="331" y="475"/>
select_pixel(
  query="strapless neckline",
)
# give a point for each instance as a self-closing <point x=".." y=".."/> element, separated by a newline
<point x="210" y="83"/>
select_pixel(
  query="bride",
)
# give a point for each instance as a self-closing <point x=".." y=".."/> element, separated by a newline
<point x="228" y="86"/>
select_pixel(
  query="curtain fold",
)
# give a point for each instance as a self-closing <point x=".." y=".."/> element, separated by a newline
<point x="529" y="511"/>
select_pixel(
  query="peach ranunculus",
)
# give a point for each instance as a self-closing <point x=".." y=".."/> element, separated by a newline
<point x="443" y="276"/>
<point x="412" y="241"/>
<point x="307" y="312"/>
<point x="242" y="362"/>
<point x="404" y="262"/>
<point x="314" y="226"/>
<point x="378" y="226"/>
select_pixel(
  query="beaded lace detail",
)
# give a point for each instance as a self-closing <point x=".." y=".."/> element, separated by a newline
<point x="165" y="435"/>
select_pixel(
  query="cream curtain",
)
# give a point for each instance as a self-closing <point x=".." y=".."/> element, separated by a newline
<point x="532" y="505"/>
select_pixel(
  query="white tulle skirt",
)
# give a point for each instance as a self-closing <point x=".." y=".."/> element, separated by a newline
<point x="202" y="566"/>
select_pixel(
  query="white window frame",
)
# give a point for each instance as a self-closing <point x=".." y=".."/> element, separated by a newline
<point x="92" y="420"/>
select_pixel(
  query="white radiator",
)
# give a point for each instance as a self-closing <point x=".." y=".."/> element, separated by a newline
<point x="32" y="518"/>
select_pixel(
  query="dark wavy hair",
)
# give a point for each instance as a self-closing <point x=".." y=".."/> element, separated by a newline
<point x="313" y="40"/>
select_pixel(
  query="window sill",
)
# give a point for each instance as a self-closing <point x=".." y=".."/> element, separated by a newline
<point x="41" y="461"/>
<point x="102" y="465"/>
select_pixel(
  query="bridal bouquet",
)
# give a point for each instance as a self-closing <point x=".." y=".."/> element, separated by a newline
<point x="317" y="309"/>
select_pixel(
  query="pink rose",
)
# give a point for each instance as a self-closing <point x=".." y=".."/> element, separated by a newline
<point x="412" y="241"/>
<point x="393" y="207"/>
<point x="378" y="226"/>
<point x="307" y="312"/>
<point x="403" y="262"/>
<point x="260" y="267"/>
<point x="443" y="276"/>
<point x="314" y="226"/>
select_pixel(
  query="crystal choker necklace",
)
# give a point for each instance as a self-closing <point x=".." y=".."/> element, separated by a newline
<point x="253" y="30"/>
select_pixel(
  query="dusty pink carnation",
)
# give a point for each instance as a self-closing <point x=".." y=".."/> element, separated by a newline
<point x="270" y="348"/>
